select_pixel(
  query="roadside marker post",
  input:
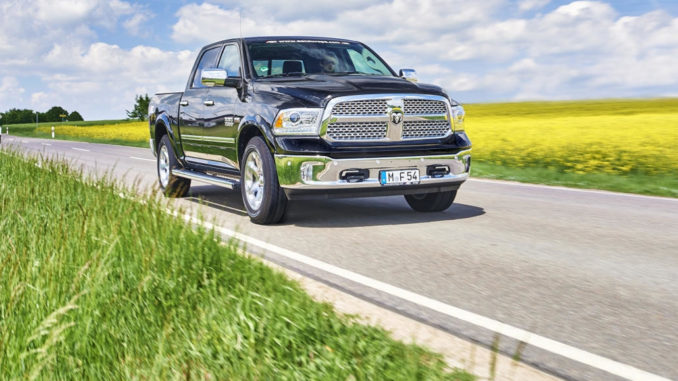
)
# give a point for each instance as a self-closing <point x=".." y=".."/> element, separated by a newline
<point x="52" y="132"/>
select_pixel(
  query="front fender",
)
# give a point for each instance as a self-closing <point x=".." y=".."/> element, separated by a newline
<point x="253" y="125"/>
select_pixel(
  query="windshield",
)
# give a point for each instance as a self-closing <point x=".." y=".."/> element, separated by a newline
<point x="282" y="58"/>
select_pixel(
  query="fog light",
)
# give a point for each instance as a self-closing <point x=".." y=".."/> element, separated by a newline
<point x="354" y="175"/>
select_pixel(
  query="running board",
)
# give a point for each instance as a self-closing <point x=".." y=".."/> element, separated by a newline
<point x="214" y="180"/>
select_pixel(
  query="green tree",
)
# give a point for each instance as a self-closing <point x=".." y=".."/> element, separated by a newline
<point x="140" y="109"/>
<point x="75" y="117"/>
<point x="54" y="114"/>
<point x="15" y="116"/>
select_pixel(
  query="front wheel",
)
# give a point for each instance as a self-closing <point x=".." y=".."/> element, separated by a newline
<point x="171" y="185"/>
<point x="431" y="202"/>
<point x="264" y="200"/>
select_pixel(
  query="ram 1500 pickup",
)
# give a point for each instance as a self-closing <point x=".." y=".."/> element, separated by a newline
<point x="285" y="118"/>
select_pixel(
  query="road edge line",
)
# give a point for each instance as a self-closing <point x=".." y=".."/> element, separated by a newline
<point x="584" y="357"/>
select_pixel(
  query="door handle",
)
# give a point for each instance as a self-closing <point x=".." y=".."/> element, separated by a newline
<point x="209" y="103"/>
<point x="183" y="103"/>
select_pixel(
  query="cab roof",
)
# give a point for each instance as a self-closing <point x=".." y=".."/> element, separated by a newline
<point x="281" y="38"/>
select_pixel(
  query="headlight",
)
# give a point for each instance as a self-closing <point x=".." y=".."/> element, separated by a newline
<point x="458" y="115"/>
<point x="297" y="121"/>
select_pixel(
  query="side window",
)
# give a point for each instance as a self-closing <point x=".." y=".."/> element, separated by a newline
<point x="206" y="61"/>
<point x="230" y="60"/>
<point x="262" y="67"/>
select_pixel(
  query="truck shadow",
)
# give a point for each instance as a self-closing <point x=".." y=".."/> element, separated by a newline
<point x="348" y="212"/>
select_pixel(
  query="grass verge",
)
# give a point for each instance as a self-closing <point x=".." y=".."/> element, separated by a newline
<point x="653" y="185"/>
<point x="95" y="286"/>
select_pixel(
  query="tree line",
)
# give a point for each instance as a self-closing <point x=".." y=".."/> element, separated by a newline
<point x="54" y="114"/>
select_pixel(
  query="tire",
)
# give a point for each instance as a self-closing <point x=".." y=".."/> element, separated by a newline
<point x="264" y="200"/>
<point x="431" y="202"/>
<point x="172" y="186"/>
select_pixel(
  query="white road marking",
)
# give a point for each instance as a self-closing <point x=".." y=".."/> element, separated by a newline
<point x="542" y="186"/>
<point x="613" y="367"/>
<point x="45" y="144"/>
<point x="141" y="158"/>
<point x="80" y="149"/>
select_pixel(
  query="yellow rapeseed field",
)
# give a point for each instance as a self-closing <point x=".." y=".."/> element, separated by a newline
<point x="569" y="137"/>
<point x="130" y="131"/>
<point x="615" y="137"/>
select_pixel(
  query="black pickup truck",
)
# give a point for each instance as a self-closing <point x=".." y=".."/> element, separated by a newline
<point x="286" y="118"/>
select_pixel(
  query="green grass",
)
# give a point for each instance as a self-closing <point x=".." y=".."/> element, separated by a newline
<point x="95" y="286"/>
<point x="655" y="185"/>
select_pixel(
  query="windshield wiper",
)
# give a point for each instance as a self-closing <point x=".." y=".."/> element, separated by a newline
<point x="346" y="73"/>
<point x="290" y="74"/>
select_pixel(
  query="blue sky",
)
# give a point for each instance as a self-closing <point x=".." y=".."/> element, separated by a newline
<point x="94" y="56"/>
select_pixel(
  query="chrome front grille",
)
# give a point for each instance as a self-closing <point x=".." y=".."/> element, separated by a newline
<point x="361" y="107"/>
<point x="424" y="106"/>
<point x="386" y="117"/>
<point x="348" y="131"/>
<point x="413" y="129"/>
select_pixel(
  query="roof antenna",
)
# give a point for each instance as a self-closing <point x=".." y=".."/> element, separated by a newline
<point x="240" y="18"/>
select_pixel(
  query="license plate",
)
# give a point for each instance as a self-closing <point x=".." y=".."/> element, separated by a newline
<point x="399" y="177"/>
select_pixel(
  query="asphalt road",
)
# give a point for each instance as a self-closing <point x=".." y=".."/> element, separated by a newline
<point x="594" y="270"/>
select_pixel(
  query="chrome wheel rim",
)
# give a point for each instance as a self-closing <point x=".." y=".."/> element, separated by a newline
<point x="163" y="166"/>
<point x="254" y="180"/>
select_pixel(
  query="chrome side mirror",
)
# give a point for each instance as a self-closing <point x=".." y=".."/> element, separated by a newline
<point x="213" y="77"/>
<point x="408" y="74"/>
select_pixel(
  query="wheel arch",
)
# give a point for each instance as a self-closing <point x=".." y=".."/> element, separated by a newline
<point x="246" y="132"/>
<point x="163" y="126"/>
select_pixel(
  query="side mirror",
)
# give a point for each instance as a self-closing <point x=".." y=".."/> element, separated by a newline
<point x="408" y="74"/>
<point x="213" y="77"/>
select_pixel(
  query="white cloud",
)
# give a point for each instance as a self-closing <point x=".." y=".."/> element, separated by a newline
<point x="478" y="51"/>
<point x="134" y="24"/>
<point x="39" y="100"/>
<point x="106" y="75"/>
<point x="529" y="5"/>
<point x="381" y="21"/>
<point x="207" y="23"/>
<point x="10" y="90"/>
<point x="579" y="49"/>
<point x="28" y="31"/>
<point x="290" y="10"/>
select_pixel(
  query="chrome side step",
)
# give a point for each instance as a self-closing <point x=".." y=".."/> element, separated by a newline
<point x="219" y="181"/>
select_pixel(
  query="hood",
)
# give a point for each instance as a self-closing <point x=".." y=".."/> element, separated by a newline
<point x="317" y="90"/>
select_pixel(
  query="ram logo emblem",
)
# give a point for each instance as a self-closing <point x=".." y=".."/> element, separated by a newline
<point x="396" y="116"/>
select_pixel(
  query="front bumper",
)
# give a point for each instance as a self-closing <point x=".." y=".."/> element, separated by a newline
<point x="318" y="174"/>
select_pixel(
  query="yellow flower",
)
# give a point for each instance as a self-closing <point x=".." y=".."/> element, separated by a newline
<point x="573" y="140"/>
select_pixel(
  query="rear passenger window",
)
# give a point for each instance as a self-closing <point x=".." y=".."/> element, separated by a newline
<point x="265" y="68"/>
<point x="208" y="60"/>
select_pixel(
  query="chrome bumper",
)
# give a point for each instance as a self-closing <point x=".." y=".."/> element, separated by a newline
<point x="322" y="172"/>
